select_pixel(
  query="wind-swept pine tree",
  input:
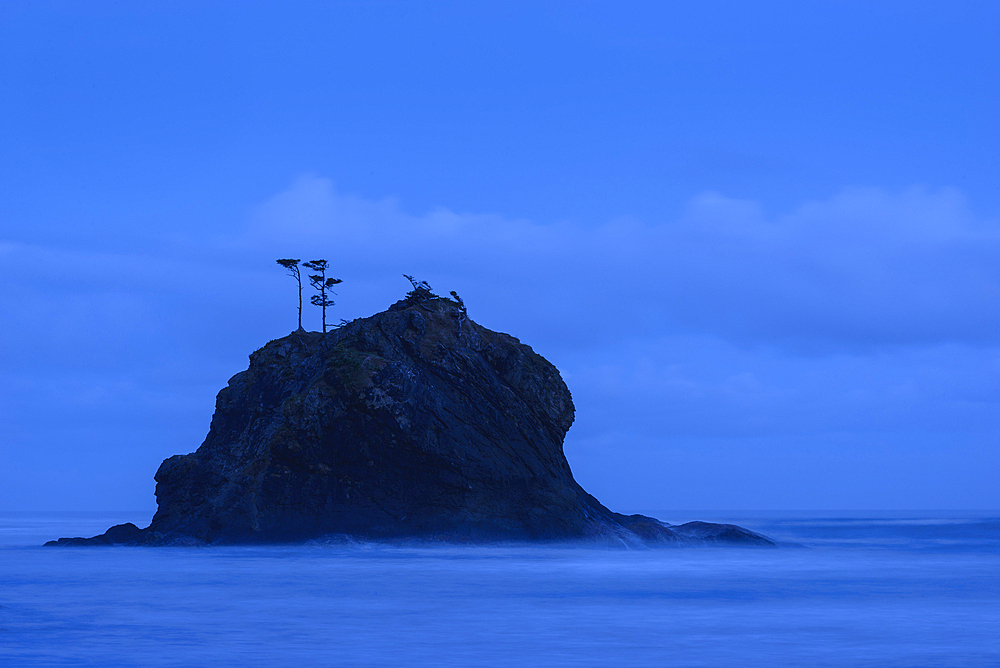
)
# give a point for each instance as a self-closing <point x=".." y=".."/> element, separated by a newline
<point x="421" y="291"/>
<point x="462" y="314"/>
<point x="322" y="284"/>
<point x="293" y="270"/>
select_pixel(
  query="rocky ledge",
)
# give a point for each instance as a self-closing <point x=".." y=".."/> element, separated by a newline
<point x="414" y="423"/>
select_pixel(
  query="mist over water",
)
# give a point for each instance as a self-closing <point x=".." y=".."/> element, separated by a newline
<point x="866" y="590"/>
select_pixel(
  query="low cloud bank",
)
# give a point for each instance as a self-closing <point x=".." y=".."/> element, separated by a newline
<point x="865" y="268"/>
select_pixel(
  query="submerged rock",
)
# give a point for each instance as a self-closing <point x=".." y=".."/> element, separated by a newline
<point x="412" y="423"/>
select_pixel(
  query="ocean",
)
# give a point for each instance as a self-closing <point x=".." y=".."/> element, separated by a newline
<point x="863" y="589"/>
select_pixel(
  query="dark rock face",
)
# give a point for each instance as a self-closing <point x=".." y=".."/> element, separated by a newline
<point x="415" y="422"/>
<point x="119" y="534"/>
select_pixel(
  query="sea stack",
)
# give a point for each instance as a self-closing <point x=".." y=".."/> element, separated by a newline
<point x="414" y="423"/>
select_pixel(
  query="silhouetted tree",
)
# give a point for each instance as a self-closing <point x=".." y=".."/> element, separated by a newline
<point x="293" y="270"/>
<point x="462" y="314"/>
<point x="322" y="285"/>
<point x="421" y="291"/>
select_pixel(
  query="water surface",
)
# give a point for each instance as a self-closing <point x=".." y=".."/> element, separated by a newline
<point x="867" y="590"/>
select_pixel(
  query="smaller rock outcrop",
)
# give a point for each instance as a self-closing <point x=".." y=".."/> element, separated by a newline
<point x="414" y="423"/>
<point x="119" y="534"/>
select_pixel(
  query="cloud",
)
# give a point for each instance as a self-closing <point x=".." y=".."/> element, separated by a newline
<point x="865" y="268"/>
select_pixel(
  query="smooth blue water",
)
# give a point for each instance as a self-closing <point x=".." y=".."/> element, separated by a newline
<point x="899" y="590"/>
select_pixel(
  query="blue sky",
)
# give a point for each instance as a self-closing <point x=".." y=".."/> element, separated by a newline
<point x="760" y="240"/>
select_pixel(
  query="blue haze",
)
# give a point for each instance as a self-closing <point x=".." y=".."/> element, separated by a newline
<point x="873" y="590"/>
<point x="760" y="240"/>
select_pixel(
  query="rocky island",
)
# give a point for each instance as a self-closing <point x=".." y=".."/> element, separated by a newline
<point x="414" y="423"/>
